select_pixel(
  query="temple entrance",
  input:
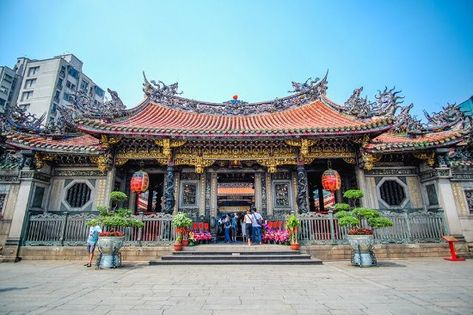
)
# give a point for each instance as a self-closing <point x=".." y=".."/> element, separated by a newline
<point x="235" y="195"/>
<point x="151" y="201"/>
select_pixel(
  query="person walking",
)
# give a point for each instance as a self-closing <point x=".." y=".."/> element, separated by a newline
<point x="227" y="226"/>
<point x="234" y="227"/>
<point x="248" y="226"/>
<point x="257" y="222"/>
<point x="94" y="232"/>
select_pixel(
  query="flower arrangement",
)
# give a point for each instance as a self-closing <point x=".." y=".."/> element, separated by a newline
<point x="112" y="233"/>
<point x="201" y="237"/>
<point x="292" y="224"/>
<point x="181" y="222"/>
<point x="275" y="236"/>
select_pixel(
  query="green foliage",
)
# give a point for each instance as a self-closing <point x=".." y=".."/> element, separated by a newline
<point x="118" y="196"/>
<point x="293" y="222"/>
<point x="181" y="220"/>
<point x="353" y="194"/>
<point x="342" y="207"/>
<point x="352" y="217"/>
<point x="112" y="219"/>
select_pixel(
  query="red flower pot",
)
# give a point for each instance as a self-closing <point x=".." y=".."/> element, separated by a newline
<point x="295" y="246"/>
<point x="185" y="242"/>
<point x="177" y="247"/>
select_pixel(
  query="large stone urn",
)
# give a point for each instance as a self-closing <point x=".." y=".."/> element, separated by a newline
<point x="109" y="247"/>
<point x="362" y="250"/>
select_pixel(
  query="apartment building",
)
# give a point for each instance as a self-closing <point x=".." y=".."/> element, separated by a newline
<point x="9" y="87"/>
<point x="48" y="83"/>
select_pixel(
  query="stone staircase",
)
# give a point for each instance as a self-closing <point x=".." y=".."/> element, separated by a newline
<point x="237" y="255"/>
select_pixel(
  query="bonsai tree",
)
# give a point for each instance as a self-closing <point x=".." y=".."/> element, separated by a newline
<point x="351" y="216"/>
<point x="292" y="224"/>
<point x="181" y="222"/>
<point x="115" y="218"/>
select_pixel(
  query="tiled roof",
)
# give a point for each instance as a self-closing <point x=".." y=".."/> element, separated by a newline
<point x="390" y="142"/>
<point x="315" y="118"/>
<point x="85" y="144"/>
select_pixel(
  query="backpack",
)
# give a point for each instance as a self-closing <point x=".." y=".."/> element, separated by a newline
<point x="258" y="220"/>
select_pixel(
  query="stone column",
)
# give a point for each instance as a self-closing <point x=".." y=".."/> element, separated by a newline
<point x="447" y="202"/>
<point x="258" y="201"/>
<point x="269" y="194"/>
<point x="302" y="189"/>
<point x="361" y="182"/>
<point x="202" y="195"/>
<point x="213" y="195"/>
<point x="25" y="190"/>
<point x="110" y="184"/>
<point x="169" y="192"/>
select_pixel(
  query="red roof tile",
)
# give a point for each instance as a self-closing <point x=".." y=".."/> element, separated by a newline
<point x="74" y="144"/>
<point x="390" y="142"/>
<point x="311" y="119"/>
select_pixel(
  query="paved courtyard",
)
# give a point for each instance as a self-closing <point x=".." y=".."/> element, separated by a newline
<point x="427" y="286"/>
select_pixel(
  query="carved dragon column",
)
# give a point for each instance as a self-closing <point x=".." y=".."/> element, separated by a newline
<point x="302" y="189"/>
<point x="169" y="192"/>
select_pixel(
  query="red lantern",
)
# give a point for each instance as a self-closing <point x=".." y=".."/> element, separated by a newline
<point x="331" y="180"/>
<point x="139" y="182"/>
<point x="235" y="97"/>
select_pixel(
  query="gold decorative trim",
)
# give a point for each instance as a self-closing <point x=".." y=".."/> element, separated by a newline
<point x="428" y="157"/>
<point x="303" y="144"/>
<point x="369" y="160"/>
<point x="40" y="158"/>
<point x="168" y="145"/>
<point x="107" y="141"/>
<point x="101" y="161"/>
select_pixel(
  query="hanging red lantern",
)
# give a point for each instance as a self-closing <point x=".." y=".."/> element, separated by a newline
<point x="331" y="180"/>
<point x="139" y="182"/>
<point x="235" y="97"/>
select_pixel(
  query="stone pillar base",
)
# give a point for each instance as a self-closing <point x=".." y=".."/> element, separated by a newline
<point x="10" y="251"/>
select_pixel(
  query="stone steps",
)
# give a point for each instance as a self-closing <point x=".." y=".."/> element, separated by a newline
<point x="225" y="256"/>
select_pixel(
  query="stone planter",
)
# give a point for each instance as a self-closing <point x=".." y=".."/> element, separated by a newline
<point x="109" y="247"/>
<point x="362" y="250"/>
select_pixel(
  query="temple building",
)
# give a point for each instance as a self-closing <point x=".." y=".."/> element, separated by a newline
<point x="208" y="159"/>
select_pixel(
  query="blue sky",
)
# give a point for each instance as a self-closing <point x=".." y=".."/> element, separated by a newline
<point x="216" y="49"/>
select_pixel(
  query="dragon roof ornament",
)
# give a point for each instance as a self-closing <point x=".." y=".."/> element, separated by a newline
<point x="18" y="118"/>
<point x="386" y="104"/>
<point x="168" y="95"/>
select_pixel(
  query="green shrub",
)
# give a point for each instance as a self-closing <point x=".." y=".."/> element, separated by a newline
<point x="181" y="220"/>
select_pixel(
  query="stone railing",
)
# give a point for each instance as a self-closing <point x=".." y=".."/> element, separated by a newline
<point x="69" y="228"/>
<point x="62" y="228"/>
<point x="409" y="225"/>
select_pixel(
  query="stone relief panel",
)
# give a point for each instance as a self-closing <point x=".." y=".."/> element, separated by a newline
<point x="415" y="194"/>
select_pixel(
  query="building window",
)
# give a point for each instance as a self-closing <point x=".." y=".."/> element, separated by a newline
<point x="29" y="83"/>
<point x="57" y="95"/>
<point x="469" y="199"/>
<point x="33" y="71"/>
<point x="73" y="73"/>
<point x="62" y="73"/>
<point x="2" y="102"/>
<point x="70" y="85"/>
<point x="4" y="90"/>
<point x="432" y="195"/>
<point x="281" y="195"/>
<point x="3" y="198"/>
<point x="78" y="195"/>
<point x="188" y="194"/>
<point x="38" y="197"/>
<point x="26" y="95"/>
<point x="8" y="78"/>
<point x="84" y="85"/>
<point x="99" y="91"/>
<point x="392" y="193"/>
<point x="59" y="84"/>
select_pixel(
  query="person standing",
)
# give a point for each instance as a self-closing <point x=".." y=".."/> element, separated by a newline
<point x="234" y="226"/>
<point x="257" y="222"/>
<point x="227" y="225"/>
<point x="94" y="232"/>
<point x="248" y="226"/>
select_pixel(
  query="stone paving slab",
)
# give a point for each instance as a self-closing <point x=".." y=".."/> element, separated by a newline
<point x="414" y="286"/>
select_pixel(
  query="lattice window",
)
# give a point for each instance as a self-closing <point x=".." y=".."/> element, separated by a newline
<point x="188" y="194"/>
<point x="392" y="193"/>
<point x="281" y="195"/>
<point x="3" y="199"/>
<point x="432" y="195"/>
<point x="78" y="195"/>
<point x="38" y="197"/>
<point x="469" y="199"/>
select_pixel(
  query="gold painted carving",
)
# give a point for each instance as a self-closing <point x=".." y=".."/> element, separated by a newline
<point x="364" y="140"/>
<point x="303" y="144"/>
<point x="107" y="141"/>
<point x="198" y="161"/>
<point x="273" y="162"/>
<point x="168" y="145"/>
<point x="101" y="161"/>
<point x="428" y="157"/>
<point x="40" y="158"/>
<point x="350" y="160"/>
<point x="123" y="157"/>
<point x="369" y="160"/>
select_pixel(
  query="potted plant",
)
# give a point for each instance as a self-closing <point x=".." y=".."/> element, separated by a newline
<point x="181" y="222"/>
<point x="292" y="225"/>
<point x="361" y="223"/>
<point x="113" y="222"/>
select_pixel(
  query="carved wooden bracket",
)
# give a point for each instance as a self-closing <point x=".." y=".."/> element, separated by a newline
<point x="428" y="157"/>
<point x="168" y="145"/>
